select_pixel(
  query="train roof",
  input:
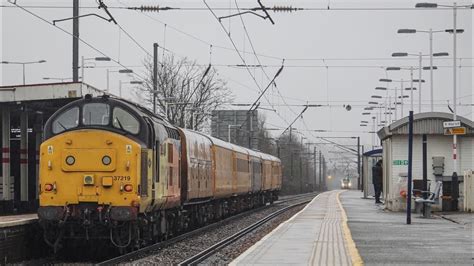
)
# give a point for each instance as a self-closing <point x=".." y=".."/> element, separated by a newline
<point x="269" y="157"/>
<point x="226" y="145"/>
<point x="195" y="134"/>
<point x="255" y="154"/>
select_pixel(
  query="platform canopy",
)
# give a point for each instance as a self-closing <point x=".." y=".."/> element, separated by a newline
<point x="373" y="153"/>
<point x="49" y="91"/>
<point x="430" y="123"/>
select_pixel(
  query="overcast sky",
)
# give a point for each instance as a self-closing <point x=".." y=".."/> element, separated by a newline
<point x="333" y="57"/>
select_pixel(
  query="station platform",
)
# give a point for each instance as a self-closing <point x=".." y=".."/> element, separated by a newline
<point x="17" y="220"/>
<point x="20" y="238"/>
<point x="317" y="235"/>
<point x="342" y="228"/>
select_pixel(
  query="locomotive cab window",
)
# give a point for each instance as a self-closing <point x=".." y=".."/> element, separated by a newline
<point x="67" y="120"/>
<point x="95" y="114"/>
<point x="125" y="121"/>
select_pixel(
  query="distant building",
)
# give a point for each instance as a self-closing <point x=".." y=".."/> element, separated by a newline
<point x="236" y="126"/>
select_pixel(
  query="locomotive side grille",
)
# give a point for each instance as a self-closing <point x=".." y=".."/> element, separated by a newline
<point x="144" y="173"/>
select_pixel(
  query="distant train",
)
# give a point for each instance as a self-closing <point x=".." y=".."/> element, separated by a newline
<point x="111" y="170"/>
<point x="346" y="183"/>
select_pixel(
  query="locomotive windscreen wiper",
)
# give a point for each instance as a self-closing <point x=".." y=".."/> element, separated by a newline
<point x="120" y="124"/>
<point x="62" y="125"/>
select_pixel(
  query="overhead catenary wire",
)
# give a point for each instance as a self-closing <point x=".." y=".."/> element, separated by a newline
<point x="125" y="7"/>
<point x="69" y="33"/>
<point x="239" y="54"/>
<point x="195" y="37"/>
<point x="275" y="8"/>
<point x="258" y="59"/>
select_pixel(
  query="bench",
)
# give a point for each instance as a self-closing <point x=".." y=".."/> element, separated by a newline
<point x="431" y="198"/>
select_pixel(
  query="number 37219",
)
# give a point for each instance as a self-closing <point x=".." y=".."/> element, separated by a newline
<point x="122" y="178"/>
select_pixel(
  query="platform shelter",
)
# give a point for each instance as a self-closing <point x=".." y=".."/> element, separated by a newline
<point x="24" y="110"/>
<point x="438" y="159"/>
<point x="369" y="159"/>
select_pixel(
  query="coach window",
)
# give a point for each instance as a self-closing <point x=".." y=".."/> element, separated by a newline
<point x="95" y="114"/>
<point x="125" y="121"/>
<point x="68" y="119"/>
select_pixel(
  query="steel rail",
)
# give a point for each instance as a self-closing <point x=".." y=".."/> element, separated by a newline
<point x="128" y="257"/>
<point x="203" y="255"/>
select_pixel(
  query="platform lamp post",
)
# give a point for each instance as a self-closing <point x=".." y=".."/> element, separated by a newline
<point x="375" y="116"/>
<point x="431" y="67"/>
<point x="168" y="101"/>
<point x="380" y="106"/>
<point x="134" y="82"/>
<point x="401" y="94"/>
<point x="373" y="130"/>
<point x="189" y="110"/>
<point x="420" y="68"/>
<point x="100" y="58"/>
<point x="387" y="107"/>
<point x="229" y="127"/>
<point x="390" y="100"/>
<point x="411" y="89"/>
<point x="121" y="71"/>
<point x="455" y="7"/>
<point x="23" y="65"/>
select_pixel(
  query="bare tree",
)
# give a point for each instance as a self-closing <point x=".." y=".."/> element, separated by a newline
<point x="298" y="165"/>
<point x="187" y="93"/>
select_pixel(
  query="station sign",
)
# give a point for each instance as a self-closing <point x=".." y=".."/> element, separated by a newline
<point x="400" y="162"/>
<point x="455" y="131"/>
<point x="451" y="124"/>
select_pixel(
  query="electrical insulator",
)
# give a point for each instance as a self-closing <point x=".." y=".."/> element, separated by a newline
<point x="284" y="9"/>
<point x="149" y="8"/>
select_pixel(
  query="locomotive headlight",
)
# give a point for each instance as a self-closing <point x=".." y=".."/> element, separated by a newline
<point x="106" y="160"/>
<point x="70" y="160"/>
<point x="88" y="180"/>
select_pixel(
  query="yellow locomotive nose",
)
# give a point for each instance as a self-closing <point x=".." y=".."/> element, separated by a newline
<point x="88" y="180"/>
<point x="88" y="160"/>
<point x="91" y="166"/>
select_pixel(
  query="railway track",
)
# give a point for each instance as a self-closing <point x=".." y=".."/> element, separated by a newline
<point x="203" y="255"/>
<point x="149" y="250"/>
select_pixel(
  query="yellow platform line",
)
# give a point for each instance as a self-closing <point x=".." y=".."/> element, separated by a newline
<point x="353" y="251"/>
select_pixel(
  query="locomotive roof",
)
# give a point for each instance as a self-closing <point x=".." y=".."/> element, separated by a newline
<point x="142" y="110"/>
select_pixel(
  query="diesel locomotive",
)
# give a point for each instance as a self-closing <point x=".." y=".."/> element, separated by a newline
<point x="111" y="171"/>
<point x="346" y="183"/>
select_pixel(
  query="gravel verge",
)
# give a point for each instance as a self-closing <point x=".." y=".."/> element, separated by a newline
<point x="231" y="252"/>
